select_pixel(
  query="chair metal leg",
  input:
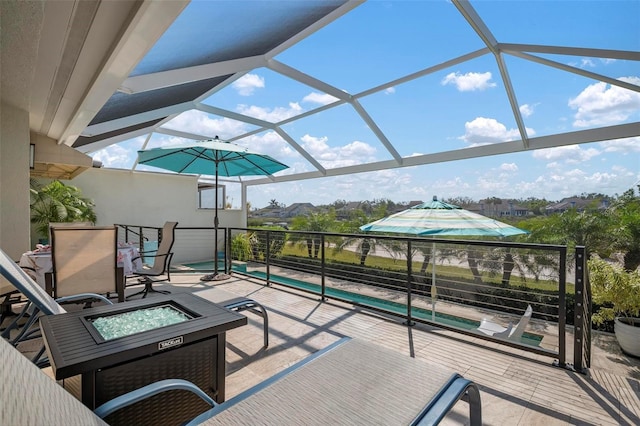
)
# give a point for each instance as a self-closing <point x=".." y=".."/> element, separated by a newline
<point x="148" y="288"/>
<point x="239" y="305"/>
<point x="6" y="306"/>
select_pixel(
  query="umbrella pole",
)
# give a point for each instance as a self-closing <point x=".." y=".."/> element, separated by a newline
<point x="215" y="276"/>
<point x="215" y="227"/>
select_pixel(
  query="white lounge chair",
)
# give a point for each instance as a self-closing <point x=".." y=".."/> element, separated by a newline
<point x="38" y="302"/>
<point x="509" y="332"/>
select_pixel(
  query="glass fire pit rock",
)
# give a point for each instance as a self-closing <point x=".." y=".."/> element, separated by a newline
<point x="132" y="322"/>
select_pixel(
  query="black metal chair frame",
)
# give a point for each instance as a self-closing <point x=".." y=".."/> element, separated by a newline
<point x="155" y="271"/>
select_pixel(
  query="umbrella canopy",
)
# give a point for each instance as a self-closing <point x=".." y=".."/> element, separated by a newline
<point x="436" y="218"/>
<point x="441" y="219"/>
<point x="211" y="157"/>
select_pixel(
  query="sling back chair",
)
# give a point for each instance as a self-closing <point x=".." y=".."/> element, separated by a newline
<point x="160" y="269"/>
<point x="509" y="332"/>
<point x="39" y="302"/>
<point x="84" y="261"/>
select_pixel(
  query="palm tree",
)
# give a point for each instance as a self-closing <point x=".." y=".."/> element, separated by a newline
<point x="315" y="222"/>
<point x="57" y="202"/>
<point x="625" y="230"/>
<point x="365" y="244"/>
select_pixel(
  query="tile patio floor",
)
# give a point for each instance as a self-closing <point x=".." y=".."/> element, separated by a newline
<point x="517" y="388"/>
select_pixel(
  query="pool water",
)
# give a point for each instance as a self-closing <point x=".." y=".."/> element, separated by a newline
<point x="387" y="305"/>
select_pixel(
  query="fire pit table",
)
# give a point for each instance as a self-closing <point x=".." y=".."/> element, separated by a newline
<point x="122" y="347"/>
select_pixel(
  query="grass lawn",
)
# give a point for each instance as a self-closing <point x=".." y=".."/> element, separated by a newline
<point x="400" y="265"/>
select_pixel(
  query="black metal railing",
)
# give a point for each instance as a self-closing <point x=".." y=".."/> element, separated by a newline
<point x="431" y="281"/>
<point x="583" y="312"/>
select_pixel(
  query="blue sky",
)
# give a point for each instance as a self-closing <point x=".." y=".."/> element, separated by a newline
<point x="458" y="107"/>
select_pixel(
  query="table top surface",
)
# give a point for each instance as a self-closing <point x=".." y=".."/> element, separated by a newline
<point x="74" y="350"/>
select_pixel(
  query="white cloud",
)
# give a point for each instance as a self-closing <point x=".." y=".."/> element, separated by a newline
<point x="587" y="63"/>
<point x="114" y="156"/>
<point x="390" y="91"/>
<point x="247" y="84"/>
<point x="469" y="82"/>
<point x="319" y="98"/>
<point x="331" y="157"/>
<point x="509" y="167"/>
<point x="591" y="62"/>
<point x="483" y="131"/>
<point x="526" y="110"/>
<point x="270" y="143"/>
<point x="625" y="146"/>
<point x="569" y="154"/>
<point x="273" y="115"/>
<point x="602" y="104"/>
<point x="200" y="123"/>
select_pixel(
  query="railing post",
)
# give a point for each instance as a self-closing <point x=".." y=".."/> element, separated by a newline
<point x="322" y="270"/>
<point x="227" y="250"/>
<point x="268" y="257"/>
<point x="582" y="315"/>
<point x="562" y="309"/>
<point x="140" y="238"/>
<point x="409" y="284"/>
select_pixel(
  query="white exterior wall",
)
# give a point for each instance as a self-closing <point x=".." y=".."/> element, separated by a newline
<point x="14" y="180"/>
<point x="151" y="199"/>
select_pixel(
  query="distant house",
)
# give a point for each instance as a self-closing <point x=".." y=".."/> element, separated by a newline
<point x="409" y="205"/>
<point x="496" y="207"/>
<point x="344" y="212"/>
<point x="577" y="203"/>
<point x="267" y="212"/>
<point x="297" y="209"/>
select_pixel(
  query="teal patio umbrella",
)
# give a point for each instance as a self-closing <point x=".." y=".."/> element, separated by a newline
<point x="437" y="218"/>
<point x="211" y="157"/>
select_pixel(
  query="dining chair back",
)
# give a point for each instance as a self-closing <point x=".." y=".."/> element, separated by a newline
<point x="67" y="225"/>
<point x="84" y="261"/>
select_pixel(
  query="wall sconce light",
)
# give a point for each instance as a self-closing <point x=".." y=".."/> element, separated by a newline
<point x="32" y="155"/>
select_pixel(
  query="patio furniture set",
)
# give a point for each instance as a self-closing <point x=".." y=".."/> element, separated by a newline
<point x="136" y="376"/>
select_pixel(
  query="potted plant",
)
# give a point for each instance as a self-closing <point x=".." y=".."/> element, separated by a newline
<point x="618" y="291"/>
<point x="58" y="202"/>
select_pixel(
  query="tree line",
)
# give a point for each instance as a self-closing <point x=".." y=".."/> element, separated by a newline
<point x="607" y="232"/>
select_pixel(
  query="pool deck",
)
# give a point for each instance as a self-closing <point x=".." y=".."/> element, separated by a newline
<point x="517" y="387"/>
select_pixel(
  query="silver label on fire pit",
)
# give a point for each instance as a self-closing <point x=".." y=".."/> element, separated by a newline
<point x="170" y="343"/>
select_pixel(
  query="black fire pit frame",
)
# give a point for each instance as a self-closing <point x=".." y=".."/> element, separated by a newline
<point x="193" y="350"/>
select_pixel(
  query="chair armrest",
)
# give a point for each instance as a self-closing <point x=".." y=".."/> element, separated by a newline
<point x="83" y="296"/>
<point x="147" y="391"/>
<point x="142" y="254"/>
<point x="456" y="388"/>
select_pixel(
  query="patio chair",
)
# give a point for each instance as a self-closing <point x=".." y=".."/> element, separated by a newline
<point x="50" y="404"/>
<point x="84" y="260"/>
<point x="68" y="225"/>
<point x="161" y="263"/>
<point x="38" y="302"/>
<point x="351" y="382"/>
<point x="510" y="332"/>
<point x="291" y="395"/>
<point x="239" y="304"/>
